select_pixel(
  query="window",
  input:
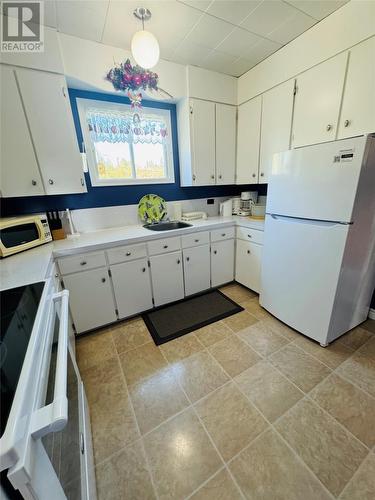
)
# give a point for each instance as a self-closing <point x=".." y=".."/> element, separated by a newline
<point x="126" y="146"/>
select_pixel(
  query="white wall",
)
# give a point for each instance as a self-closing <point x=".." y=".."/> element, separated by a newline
<point x="211" y="86"/>
<point x="349" y="25"/>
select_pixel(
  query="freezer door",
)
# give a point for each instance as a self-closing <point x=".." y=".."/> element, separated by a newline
<point x="300" y="270"/>
<point x="316" y="182"/>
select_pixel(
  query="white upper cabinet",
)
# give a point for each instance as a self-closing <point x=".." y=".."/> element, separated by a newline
<point x="46" y="104"/>
<point x="202" y="128"/>
<point x="226" y="120"/>
<point x="277" y="112"/>
<point x="317" y="103"/>
<point x="358" y="107"/>
<point x="248" y="138"/>
<point x="20" y="174"/>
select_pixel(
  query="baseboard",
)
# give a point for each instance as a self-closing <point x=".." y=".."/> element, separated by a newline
<point x="371" y="314"/>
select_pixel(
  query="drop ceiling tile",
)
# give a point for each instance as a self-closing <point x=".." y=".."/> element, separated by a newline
<point x="233" y="11"/>
<point x="82" y="19"/>
<point x="190" y="53"/>
<point x="210" y="31"/>
<point x="239" y="67"/>
<point x="260" y="51"/>
<point x="197" y="4"/>
<point x="238" y="42"/>
<point x="317" y="8"/>
<point x="50" y="18"/>
<point x="268" y="16"/>
<point x="219" y="61"/>
<point x="291" y="28"/>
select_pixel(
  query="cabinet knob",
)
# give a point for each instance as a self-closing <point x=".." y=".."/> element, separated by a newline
<point x="83" y="263"/>
<point x="212" y="177"/>
<point x="220" y="176"/>
<point x="82" y="182"/>
<point x="33" y="182"/>
<point x="103" y="280"/>
<point x="128" y="254"/>
<point x="262" y="174"/>
<point x="56" y="275"/>
<point x="178" y="261"/>
<point x="248" y="251"/>
<point x="329" y="127"/>
<point x="346" y="123"/>
<point x="215" y="252"/>
<point x="50" y="181"/>
<point x="191" y="110"/>
<point x="249" y="236"/>
<point x="254" y="175"/>
<point x="196" y="241"/>
<point x="223" y="234"/>
<point x="188" y="258"/>
<point x="165" y="246"/>
<point x="63" y="91"/>
<point x="143" y="270"/>
<point x="194" y="177"/>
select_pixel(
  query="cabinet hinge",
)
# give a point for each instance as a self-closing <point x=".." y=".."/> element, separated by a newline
<point x="153" y="301"/>
<point x="116" y="310"/>
<point x="295" y="88"/>
<point x="109" y="273"/>
<point x="74" y="328"/>
<point x="62" y="283"/>
<point x="148" y="263"/>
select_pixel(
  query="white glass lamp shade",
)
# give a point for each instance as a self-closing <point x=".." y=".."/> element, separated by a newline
<point x="145" y="49"/>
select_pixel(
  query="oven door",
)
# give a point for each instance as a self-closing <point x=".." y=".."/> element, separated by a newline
<point x="55" y="464"/>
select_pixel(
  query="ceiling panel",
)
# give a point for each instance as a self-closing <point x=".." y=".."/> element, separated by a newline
<point x="317" y="8"/>
<point x="239" y="67"/>
<point x="238" y="42"/>
<point x="210" y="31"/>
<point x="233" y="11"/>
<point x="201" y="5"/>
<point x="291" y="28"/>
<point x="83" y="19"/>
<point x="260" y="51"/>
<point x="219" y="61"/>
<point x="191" y="53"/>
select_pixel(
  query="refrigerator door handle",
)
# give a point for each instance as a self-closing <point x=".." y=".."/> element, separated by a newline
<point x="312" y="222"/>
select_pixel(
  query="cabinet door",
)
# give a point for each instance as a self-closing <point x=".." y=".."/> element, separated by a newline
<point x="20" y="174"/>
<point x="167" y="277"/>
<point x="91" y="299"/>
<point x="48" y="112"/>
<point x="222" y="262"/>
<point x="277" y="112"/>
<point x="202" y="125"/>
<point x="196" y="269"/>
<point x="132" y="287"/>
<point x="317" y="102"/>
<point x="226" y="121"/>
<point x="248" y="137"/>
<point x="248" y="264"/>
<point x="358" y="107"/>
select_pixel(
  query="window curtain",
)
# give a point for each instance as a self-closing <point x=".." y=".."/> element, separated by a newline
<point x="112" y="126"/>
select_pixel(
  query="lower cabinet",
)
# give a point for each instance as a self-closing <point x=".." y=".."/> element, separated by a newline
<point x="91" y="299"/>
<point x="196" y="269"/>
<point x="222" y="262"/>
<point x="248" y="264"/>
<point x="132" y="287"/>
<point x="167" y="277"/>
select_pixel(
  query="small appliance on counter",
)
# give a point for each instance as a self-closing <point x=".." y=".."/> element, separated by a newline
<point x="22" y="233"/>
<point x="226" y="208"/>
<point x="248" y="198"/>
<point x="190" y="216"/>
<point x="236" y="205"/>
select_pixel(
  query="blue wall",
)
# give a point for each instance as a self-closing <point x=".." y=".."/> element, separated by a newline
<point x="118" y="195"/>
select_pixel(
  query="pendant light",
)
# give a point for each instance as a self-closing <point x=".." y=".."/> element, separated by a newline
<point x="144" y="45"/>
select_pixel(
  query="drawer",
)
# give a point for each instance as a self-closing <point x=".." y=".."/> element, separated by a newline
<point x="195" y="239"/>
<point x="222" y="234"/>
<point x="125" y="253"/>
<point x="81" y="262"/>
<point x="254" y="235"/>
<point x="165" y="245"/>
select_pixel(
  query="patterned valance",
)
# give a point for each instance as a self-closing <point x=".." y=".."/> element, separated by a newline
<point x="112" y="126"/>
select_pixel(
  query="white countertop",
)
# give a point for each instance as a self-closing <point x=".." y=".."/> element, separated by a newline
<point x="33" y="265"/>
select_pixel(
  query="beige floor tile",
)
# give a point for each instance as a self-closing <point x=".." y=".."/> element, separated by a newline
<point x="262" y="339"/>
<point x="362" y="485"/>
<point x="239" y="321"/>
<point x="368" y="349"/>
<point x="269" y="470"/>
<point x="112" y="419"/>
<point x="360" y="369"/>
<point x="230" y="419"/>
<point x="355" y="338"/>
<point x="130" y="334"/>
<point x="181" y="456"/>
<point x="281" y="328"/>
<point x="210" y="334"/>
<point x="199" y="375"/>
<point x="181" y="348"/>
<point x="252" y="306"/>
<point x="349" y="405"/>
<point x="301" y="368"/>
<point x="96" y="377"/>
<point x="234" y="355"/>
<point x="220" y="487"/>
<point x="141" y="362"/>
<point x="125" y="476"/>
<point x="330" y="452"/>
<point x="157" y="398"/>
<point x="369" y="325"/>
<point x="238" y="293"/>
<point x="268" y="390"/>
<point x="332" y="355"/>
<point x="94" y="348"/>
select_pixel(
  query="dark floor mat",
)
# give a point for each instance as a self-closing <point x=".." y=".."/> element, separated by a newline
<point x="174" y="320"/>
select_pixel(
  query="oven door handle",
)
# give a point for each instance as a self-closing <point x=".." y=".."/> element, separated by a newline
<point x="54" y="416"/>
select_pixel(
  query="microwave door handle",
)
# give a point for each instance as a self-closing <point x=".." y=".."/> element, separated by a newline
<point x="54" y="417"/>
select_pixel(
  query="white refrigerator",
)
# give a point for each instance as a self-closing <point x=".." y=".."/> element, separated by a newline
<point x="318" y="264"/>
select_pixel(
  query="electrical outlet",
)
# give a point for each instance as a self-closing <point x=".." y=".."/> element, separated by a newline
<point x="211" y="201"/>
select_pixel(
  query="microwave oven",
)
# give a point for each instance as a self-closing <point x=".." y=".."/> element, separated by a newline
<point x="21" y="233"/>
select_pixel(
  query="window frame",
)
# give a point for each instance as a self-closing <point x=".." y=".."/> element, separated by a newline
<point x="83" y="104"/>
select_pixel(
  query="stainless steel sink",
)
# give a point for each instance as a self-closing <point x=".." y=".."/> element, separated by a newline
<point x="166" y="226"/>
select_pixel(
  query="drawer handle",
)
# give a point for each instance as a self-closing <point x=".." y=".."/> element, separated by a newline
<point x="248" y="251"/>
<point x="215" y="252"/>
<point x="249" y="235"/>
<point x="165" y="246"/>
<point x="103" y="280"/>
<point x="223" y="234"/>
<point x="83" y="263"/>
<point x="128" y="253"/>
<point x="196" y="241"/>
<point x="143" y="270"/>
